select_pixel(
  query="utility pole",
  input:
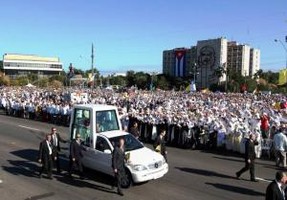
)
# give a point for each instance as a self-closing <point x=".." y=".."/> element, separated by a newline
<point x="93" y="75"/>
<point x="285" y="48"/>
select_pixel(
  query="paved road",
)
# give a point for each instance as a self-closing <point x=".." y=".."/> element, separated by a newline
<point x="193" y="174"/>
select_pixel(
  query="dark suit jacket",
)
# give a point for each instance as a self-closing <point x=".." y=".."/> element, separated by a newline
<point x="59" y="140"/>
<point x="44" y="153"/>
<point x="250" y="150"/>
<point x="76" y="150"/>
<point x="160" y="141"/>
<point x="273" y="192"/>
<point x="135" y="132"/>
<point x="118" y="161"/>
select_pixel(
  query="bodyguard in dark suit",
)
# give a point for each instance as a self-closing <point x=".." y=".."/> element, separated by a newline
<point x="46" y="157"/>
<point x="56" y="140"/>
<point x="118" y="164"/>
<point x="159" y="145"/>
<point x="249" y="158"/>
<point x="76" y="156"/>
<point x="275" y="190"/>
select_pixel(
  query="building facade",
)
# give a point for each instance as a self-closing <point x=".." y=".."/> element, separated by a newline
<point x="209" y="57"/>
<point x="238" y="58"/>
<point x="179" y="62"/>
<point x="20" y="64"/>
<point x="254" y="61"/>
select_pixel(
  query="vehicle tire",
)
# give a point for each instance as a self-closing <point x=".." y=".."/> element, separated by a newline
<point x="127" y="180"/>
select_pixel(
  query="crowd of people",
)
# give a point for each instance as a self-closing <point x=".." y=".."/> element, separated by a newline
<point x="191" y="120"/>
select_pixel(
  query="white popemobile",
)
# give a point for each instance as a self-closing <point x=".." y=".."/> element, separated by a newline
<point x="100" y="129"/>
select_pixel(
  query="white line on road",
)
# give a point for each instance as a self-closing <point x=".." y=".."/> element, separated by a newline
<point x="27" y="127"/>
<point x="264" y="180"/>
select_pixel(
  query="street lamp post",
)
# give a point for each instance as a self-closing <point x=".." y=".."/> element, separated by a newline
<point x="284" y="47"/>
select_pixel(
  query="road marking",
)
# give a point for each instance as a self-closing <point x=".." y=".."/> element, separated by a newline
<point x="42" y="196"/>
<point x="264" y="180"/>
<point x="27" y="127"/>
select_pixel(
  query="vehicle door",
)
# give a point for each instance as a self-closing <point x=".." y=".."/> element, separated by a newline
<point x="103" y="155"/>
<point x="82" y="125"/>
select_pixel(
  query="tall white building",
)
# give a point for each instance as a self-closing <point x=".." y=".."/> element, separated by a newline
<point x="208" y="56"/>
<point x="238" y="58"/>
<point x="211" y="54"/>
<point x="254" y="61"/>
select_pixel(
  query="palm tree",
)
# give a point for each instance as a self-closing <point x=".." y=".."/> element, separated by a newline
<point x="258" y="74"/>
<point x="219" y="72"/>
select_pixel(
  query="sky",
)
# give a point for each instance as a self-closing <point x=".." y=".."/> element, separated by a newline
<point x="132" y="34"/>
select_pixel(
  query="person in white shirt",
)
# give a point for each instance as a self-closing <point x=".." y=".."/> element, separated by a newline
<point x="280" y="144"/>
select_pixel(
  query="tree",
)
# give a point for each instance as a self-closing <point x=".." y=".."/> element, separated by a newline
<point x="130" y="77"/>
<point x="118" y="80"/>
<point x="4" y="80"/>
<point x="43" y="82"/>
<point x="258" y="74"/>
<point x="56" y="84"/>
<point x="1" y="66"/>
<point x="142" y="80"/>
<point x="61" y="78"/>
<point x="219" y="72"/>
<point x="162" y="82"/>
<point x="79" y="72"/>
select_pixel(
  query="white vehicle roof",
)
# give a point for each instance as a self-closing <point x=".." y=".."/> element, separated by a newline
<point x="112" y="134"/>
<point x="96" y="107"/>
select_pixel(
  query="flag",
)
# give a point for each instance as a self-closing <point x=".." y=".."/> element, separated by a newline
<point x="282" y="77"/>
<point x="90" y="77"/>
<point x="180" y="63"/>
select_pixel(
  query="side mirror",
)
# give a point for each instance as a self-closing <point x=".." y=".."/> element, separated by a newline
<point x="107" y="151"/>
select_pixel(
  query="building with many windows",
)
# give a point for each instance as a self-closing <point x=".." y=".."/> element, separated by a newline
<point x="210" y="57"/>
<point x="254" y="65"/>
<point x="238" y="58"/>
<point x="20" y="64"/>
<point x="179" y="62"/>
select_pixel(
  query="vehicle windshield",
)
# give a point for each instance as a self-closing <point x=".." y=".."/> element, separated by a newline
<point x="106" y="121"/>
<point x="131" y="143"/>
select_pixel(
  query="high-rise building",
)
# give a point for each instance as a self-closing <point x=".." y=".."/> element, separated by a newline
<point x="238" y="60"/>
<point x="21" y="64"/>
<point x="254" y="65"/>
<point x="211" y="56"/>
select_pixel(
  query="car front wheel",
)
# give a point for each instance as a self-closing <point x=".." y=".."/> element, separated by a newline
<point x="127" y="179"/>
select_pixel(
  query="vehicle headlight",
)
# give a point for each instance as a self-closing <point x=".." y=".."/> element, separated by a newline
<point x="139" y="167"/>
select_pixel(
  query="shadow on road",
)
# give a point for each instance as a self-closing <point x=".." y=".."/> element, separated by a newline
<point x="236" y="189"/>
<point x="228" y="159"/>
<point x="26" y="168"/>
<point x="27" y="165"/>
<point x="84" y="184"/>
<point x="27" y="154"/>
<point x="203" y="172"/>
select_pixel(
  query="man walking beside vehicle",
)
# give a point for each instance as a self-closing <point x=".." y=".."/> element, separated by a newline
<point x="76" y="156"/>
<point x="56" y="140"/>
<point x="45" y="156"/>
<point x="118" y="164"/>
